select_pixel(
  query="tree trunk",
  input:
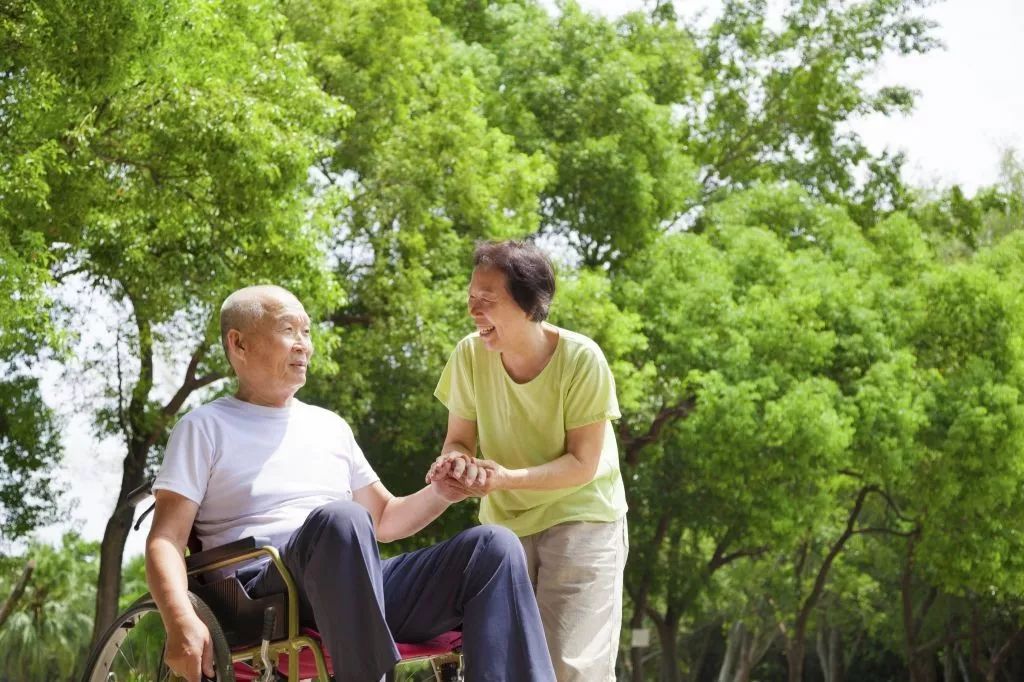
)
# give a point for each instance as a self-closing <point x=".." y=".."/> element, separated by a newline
<point x="733" y="644"/>
<point x="744" y="649"/>
<point x="108" y="584"/>
<point x="830" y="653"/>
<point x="12" y="599"/>
<point x="636" y="654"/>
<point x="795" y="651"/>
<point x="948" y="663"/>
<point x="142" y="429"/>
<point x="700" y="659"/>
<point x="668" y="635"/>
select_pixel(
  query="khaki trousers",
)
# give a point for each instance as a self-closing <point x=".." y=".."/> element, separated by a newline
<point x="576" y="569"/>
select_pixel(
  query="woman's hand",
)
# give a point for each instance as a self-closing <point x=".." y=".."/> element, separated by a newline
<point x="498" y="477"/>
<point x="458" y="466"/>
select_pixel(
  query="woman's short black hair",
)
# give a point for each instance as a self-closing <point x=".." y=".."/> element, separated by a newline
<point x="528" y="273"/>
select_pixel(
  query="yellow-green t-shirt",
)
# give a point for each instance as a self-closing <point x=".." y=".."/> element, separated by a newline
<point x="523" y="425"/>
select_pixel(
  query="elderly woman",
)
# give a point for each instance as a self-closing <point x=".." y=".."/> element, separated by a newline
<point x="538" y="401"/>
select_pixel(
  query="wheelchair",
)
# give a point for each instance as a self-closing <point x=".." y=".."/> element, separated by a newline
<point x="259" y="640"/>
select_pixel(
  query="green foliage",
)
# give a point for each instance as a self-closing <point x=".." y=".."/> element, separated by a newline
<point x="779" y="94"/>
<point x="47" y="635"/>
<point x="29" y="452"/>
<point x="789" y="325"/>
<point x="596" y="100"/>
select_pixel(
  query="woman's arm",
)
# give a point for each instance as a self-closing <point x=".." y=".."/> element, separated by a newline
<point x="576" y="467"/>
<point x="457" y="458"/>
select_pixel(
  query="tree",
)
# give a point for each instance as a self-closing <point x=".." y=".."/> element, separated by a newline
<point x="29" y="451"/>
<point x="174" y="141"/>
<point x="47" y="635"/>
<point x="29" y="447"/>
<point x="779" y="96"/>
<point x="428" y="174"/>
<point x="597" y="100"/>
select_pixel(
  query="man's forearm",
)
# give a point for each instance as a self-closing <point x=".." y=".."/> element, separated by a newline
<point x="404" y="516"/>
<point x="167" y="579"/>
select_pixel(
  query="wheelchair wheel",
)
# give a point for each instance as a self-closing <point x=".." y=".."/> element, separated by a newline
<point x="132" y="648"/>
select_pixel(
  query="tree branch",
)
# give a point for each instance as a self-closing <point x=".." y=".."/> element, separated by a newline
<point x="12" y="599"/>
<point x="887" y="531"/>
<point x="837" y="546"/>
<point x="345" y="320"/>
<point x="938" y="642"/>
<point x="739" y="554"/>
<point x="1000" y="657"/>
<point x="633" y="444"/>
<point x="189" y="385"/>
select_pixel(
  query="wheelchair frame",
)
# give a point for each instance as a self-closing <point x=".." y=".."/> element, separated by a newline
<point x="244" y="550"/>
<point x="208" y="599"/>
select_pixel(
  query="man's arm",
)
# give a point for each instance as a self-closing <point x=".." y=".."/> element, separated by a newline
<point x="189" y="648"/>
<point x="395" y="518"/>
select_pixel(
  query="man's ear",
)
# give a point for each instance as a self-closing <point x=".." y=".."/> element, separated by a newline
<point x="236" y="344"/>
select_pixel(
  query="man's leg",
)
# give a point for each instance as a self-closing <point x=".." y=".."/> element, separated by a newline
<point x="334" y="560"/>
<point x="478" y="579"/>
<point x="579" y="589"/>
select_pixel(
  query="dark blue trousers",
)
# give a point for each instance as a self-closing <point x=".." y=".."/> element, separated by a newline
<point x="362" y="605"/>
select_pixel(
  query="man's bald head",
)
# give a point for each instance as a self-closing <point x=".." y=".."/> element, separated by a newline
<point x="247" y="307"/>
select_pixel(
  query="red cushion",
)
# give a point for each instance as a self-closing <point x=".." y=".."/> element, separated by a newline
<point x="442" y="644"/>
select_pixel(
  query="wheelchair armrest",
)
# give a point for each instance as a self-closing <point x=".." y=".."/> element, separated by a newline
<point x="208" y="557"/>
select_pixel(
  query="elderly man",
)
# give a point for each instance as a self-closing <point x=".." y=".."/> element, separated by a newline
<point x="262" y="463"/>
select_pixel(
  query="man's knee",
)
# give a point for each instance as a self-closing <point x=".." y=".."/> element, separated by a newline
<point x="342" y="519"/>
<point x="498" y="542"/>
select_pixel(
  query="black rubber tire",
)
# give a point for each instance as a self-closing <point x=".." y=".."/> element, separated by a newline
<point x="118" y="653"/>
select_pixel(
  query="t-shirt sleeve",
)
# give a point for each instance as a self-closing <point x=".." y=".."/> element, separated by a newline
<point x="362" y="473"/>
<point x="188" y="460"/>
<point x="591" y="393"/>
<point x="456" y="388"/>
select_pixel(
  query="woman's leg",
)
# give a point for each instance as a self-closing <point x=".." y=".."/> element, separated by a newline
<point x="579" y="592"/>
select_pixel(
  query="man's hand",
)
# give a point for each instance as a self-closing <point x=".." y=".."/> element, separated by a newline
<point x="476" y="477"/>
<point x="451" y="490"/>
<point x="189" y="649"/>
<point x="458" y="466"/>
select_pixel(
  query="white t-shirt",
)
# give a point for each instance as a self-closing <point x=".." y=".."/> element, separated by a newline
<point x="259" y="471"/>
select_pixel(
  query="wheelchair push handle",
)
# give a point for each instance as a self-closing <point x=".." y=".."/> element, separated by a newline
<point x="139" y="494"/>
<point x="136" y="496"/>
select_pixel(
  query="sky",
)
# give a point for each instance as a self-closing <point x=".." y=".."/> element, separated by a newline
<point x="969" y="110"/>
<point x="971" y="94"/>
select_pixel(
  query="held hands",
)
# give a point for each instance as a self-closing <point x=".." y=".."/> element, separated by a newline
<point x="465" y="475"/>
<point x="189" y="652"/>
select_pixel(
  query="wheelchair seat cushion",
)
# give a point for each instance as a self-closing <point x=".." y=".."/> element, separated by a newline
<point x="444" y="643"/>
